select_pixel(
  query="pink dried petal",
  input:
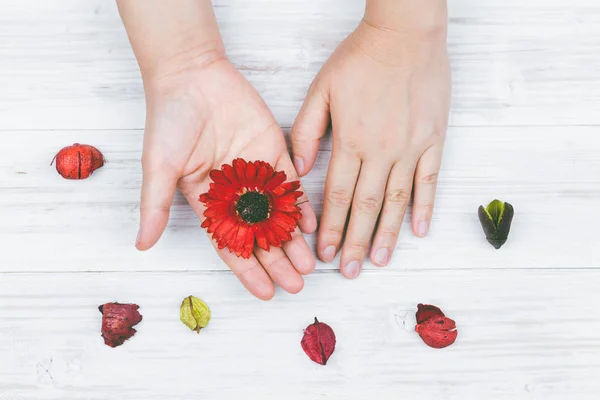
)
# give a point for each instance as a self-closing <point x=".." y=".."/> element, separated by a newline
<point x="318" y="342"/>
<point x="117" y="322"/>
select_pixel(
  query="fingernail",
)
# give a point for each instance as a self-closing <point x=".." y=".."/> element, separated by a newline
<point x="352" y="269"/>
<point x="329" y="253"/>
<point x="423" y="228"/>
<point x="381" y="256"/>
<point x="137" y="238"/>
<point x="299" y="164"/>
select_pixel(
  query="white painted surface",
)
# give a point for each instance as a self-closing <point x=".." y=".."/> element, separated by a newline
<point x="525" y="127"/>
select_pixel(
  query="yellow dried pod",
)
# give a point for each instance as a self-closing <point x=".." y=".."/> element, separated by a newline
<point x="194" y="313"/>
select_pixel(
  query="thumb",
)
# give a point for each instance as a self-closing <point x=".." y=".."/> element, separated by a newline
<point x="158" y="189"/>
<point x="309" y="128"/>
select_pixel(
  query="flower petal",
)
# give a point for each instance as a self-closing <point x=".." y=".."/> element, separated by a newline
<point x="272" y="238"/>
<point x="283" y="220"/>
<point x="261" y="177"/>
<point x="229" y="173"/>
<point x="239" y="166"/>
<point x="251" y="175"/>
<point x="219" y="177"/>
<point x="275" y="181"/>
<point x="279" y="231"/>
<point x="261" y="238"/>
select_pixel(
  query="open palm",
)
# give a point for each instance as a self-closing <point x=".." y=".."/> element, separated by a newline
<point x="197" y="120"/>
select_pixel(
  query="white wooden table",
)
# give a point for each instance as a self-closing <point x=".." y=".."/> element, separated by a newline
<point x="525" y="127"/>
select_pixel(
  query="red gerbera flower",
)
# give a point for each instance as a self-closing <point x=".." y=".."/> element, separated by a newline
<point x="250" y="202"/>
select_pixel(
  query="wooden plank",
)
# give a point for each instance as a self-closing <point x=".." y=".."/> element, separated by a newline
<point x="522" y="335"/>
<point x="550" y="175"/>
<point x="513" y="63"/>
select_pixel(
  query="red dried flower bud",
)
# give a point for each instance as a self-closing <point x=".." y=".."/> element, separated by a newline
<point x="318" y="342"/>
<point x="117" y="322"/>
<point x="436" y="330"/>
<point x="78" y="161"/>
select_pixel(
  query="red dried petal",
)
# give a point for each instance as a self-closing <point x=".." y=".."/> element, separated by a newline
<point x="78" y="161"/>
<point x="434" y="328"/>
<point x="318" y="342"/>
<point x="426" y="311"/>
<point x="97" y="159"/>
<point x="117" y="322"/>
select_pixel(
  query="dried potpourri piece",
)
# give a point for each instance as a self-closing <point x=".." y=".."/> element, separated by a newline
<point x="248" y="203"/>
<point x="318" y="342"/>
<point x="78" y="161"/>
<point x="495" y="220"/>
<point x="436" y="330"/>
<point x="117" y="322"/>
<point x="194" y="313"/>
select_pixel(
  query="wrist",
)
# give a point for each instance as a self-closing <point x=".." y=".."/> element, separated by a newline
<point x="170" y="36"/>
<point x="418" y="19"/>
<point x="186" y="57"/>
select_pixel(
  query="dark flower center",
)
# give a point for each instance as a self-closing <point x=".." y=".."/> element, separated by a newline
<point x="253" y="207"/>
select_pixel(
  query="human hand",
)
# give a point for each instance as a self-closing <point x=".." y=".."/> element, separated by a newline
<point x="197" y="120"/>
<point x="387" y="92"/>
<point x="202" y="113"/>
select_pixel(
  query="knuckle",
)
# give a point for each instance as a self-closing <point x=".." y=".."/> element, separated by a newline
<point x="368" y="205"/>
<point x="358" y="245"/>
<point x="390" y="233"/>
<point x="429" y="179"/>
<point x="397" y="197"/>
<point x="332" y="232"/>
<point x="279" y="263"/>
<point x="349" y="144"/>
<point x="339" y="197"/>
<point x="299" y="135"/>
<point x="426" y="208"/>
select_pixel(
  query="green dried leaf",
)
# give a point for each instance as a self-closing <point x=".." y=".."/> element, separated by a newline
<point x="495" y="210"/>
<point x="194" y="313"/>
<point x="495" y="221"/>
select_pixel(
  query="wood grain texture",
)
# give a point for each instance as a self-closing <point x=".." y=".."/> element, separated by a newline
<point x="524" y="128"/>
<point x="513" y="63"/>
<point x="522" y="335"/>
<point x="550" y="175"/>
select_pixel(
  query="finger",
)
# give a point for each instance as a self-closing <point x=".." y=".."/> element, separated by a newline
<point x="249" y="271"/>
<point x="299" y="253"/>
<point x="339" y="190"/>
<point x="158" y="188"/>
<point x="426" y="177"/>
<point x="395" y="203"/>
<point x="366" y="205"/>
<point x="280" y="269"/>
<point x="309" y="127"/>
<point x="308" y="222"/>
